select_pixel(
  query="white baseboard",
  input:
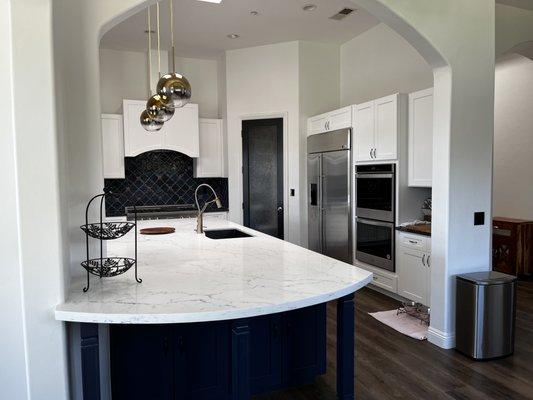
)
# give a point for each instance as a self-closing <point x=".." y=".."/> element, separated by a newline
<point x="445" y="340"/>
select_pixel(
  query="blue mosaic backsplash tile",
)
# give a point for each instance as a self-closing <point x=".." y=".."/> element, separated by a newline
<point x="157" y="178"/>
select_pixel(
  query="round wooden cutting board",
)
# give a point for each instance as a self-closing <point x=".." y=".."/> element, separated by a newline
<point x="157" y="231"/>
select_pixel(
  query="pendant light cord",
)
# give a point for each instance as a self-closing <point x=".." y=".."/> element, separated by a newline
<point x="158" y="40"/>
<point x="149" y="53"/>
<point x="172" y="35"/>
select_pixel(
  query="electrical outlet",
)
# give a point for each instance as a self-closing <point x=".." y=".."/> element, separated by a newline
<point x="479" y="218"/>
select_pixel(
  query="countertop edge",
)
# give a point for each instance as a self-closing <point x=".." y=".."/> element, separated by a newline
<point x="403" y="229"/>
<point x="93" y="317"/>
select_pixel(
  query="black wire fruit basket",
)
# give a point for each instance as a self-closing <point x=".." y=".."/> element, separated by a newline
<point x="105" y="267"/>
<point x="107" y="230"/>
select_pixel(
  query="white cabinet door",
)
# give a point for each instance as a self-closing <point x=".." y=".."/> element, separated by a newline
<point x="113" y="146"/>
<point x="317" y="124"/>
<point x="364" y="131"/>
<point x="181" y="132"/>
<point x="136" y="139"/>
<point x="211" y="161"/>
<point x="421" y="138"/>
<point x="386" y="129"/>
<point x="413" y="275"/>
<point x="340" y="119"/>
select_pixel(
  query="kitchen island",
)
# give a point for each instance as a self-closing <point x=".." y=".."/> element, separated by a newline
<point x="247" y="314"/>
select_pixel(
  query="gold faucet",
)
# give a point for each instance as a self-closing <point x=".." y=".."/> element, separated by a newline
<point x="200" y="218"/>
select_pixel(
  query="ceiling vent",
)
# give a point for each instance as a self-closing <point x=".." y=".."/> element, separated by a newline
<point x="342" y="14"/>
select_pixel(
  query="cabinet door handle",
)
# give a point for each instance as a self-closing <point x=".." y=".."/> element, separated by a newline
<point x="371" y="153"/>
<point x="424" y="260"/>
<point x="413" y="241"/>
<point x="375" y="153"/>
<point x="428" y="261"/>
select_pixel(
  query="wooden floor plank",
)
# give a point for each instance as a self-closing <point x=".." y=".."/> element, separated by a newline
<point x="390" y="365"/>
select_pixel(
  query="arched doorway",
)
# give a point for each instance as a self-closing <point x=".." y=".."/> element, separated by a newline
<point x="463" y="123"/>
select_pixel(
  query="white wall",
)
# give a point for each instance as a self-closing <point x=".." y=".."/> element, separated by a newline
<point x="203" y="77"/>
<point x="33" y="360"/>
<point x="513" y="138"/>
<point x="263" y="82"/>
<point x="13" y="379"/>
<point x="319" y="92"/>
<point x="380" y="62"/>
<point x="124" y="75"/>
<point x="463" y="136"/>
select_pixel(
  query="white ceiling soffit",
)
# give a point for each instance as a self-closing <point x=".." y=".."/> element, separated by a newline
<point x="202" y="27"/>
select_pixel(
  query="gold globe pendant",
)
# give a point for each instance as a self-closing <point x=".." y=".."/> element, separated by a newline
<point x="159" y="108"/>
<point x="148" y="123"/>
<point x="176" y="88"/>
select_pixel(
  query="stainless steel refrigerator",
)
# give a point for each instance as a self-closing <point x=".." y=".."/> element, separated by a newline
<point x="329" y="185"/>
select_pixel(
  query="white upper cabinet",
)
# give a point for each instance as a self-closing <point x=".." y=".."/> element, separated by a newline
<point x="364" y="131"/>
<point x="113" y="146"/>
<point x="180" y="134"/>
<point x="317" y="124"/>
<point x="386" y="114"/>
<point x="421" y="138"/>
<point x="377" y="124"/>
<point x="331" y="121"/>
<point x="211" y="161"/>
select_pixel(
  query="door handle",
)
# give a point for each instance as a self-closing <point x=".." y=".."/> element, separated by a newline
<point x="371" y="153"/>
<point x="280" y="209"/>
<point x="424" y="260"/>
<point x="428" y="261"/>
<point x="375" y="153"/>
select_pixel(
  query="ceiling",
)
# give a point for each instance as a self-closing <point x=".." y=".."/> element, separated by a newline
<point x="202" y="28"/>
<point x="525" y="4"/>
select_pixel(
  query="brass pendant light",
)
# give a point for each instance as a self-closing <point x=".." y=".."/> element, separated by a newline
<point x="174" y="86"/>
<point x="158" y="106"/>
<point x="147" y="122"/>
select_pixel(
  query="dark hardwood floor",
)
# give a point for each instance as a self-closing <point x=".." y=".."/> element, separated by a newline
<point x="390" y="365"/>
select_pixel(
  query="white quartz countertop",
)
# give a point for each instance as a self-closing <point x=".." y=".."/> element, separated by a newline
<point x="188" y="277"/>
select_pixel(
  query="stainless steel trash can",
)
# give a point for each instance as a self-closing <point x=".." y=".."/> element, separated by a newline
<point x="485" y="314"/>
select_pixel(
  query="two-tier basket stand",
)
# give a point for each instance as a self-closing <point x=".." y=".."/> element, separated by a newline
<point x="107" y="266"/>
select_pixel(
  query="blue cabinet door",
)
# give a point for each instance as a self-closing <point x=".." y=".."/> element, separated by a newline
<point x="266" y="353"/>
<point x="202" y="360"/>
<point x="305" y="349"/>
<point x="141" y="362"/>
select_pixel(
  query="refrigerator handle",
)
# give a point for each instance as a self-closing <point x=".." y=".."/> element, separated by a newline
<point x="320" y="203"/>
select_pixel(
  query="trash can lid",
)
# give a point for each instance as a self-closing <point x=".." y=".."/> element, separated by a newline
<point x="487" y="278"/>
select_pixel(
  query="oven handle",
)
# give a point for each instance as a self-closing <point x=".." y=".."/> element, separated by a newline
<point x="373" y="176"/>
<point x="376" y="223"/>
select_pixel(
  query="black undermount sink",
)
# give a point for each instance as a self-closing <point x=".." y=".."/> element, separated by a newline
<point x="225" y="234"/>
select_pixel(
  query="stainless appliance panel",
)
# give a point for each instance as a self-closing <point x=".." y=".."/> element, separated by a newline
<point x="376" y="195"/>
<point x="336" y="208"/>
<point x="329" y="141"/>
<point x="314" y="202"/>
<point x="375" y="243"/>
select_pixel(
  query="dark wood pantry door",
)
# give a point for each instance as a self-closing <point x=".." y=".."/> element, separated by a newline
<point x="262" y="143"/>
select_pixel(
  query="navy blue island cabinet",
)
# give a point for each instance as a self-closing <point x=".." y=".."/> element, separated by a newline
<point x="193" y="361"/>
<point x="220" y="360"/>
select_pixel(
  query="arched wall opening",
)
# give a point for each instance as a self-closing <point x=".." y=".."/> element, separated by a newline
<point x="463" y="123"/>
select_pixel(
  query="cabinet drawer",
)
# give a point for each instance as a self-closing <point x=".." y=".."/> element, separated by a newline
<point x="385" y="282"/>
<point x="413" y="242"/>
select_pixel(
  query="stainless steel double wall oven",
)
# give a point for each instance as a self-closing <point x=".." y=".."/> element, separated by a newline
<point x="375" y="188"/>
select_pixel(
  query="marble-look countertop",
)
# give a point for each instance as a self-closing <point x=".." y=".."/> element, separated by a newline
<point x="188" y="277"/>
